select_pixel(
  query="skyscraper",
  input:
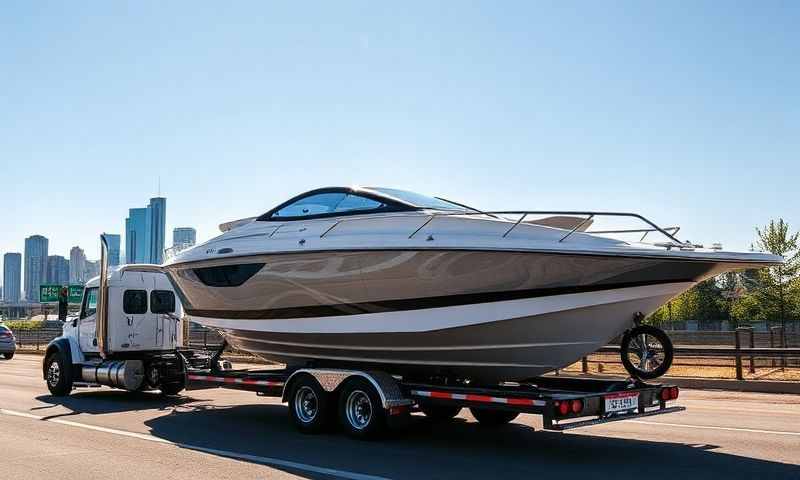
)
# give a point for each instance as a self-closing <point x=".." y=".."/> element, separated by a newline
<point x="12" y="275"/>
<point x="77" y="266"/>
<point x="144" y="232"/>
<point x="57" y="270"/>
<point x="136" y="235"/>
<point x="183" y="237"/>
<point x="35" y="265"/>
<point x="113" y="249"/>
<point x="157" y="218"/>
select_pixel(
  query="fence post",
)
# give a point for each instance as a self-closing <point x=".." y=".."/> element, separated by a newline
<point x="752" y="345"/>
<point x="772" y="342"/>
<point x="738" y="354"/>
<point x="585" y="365"/>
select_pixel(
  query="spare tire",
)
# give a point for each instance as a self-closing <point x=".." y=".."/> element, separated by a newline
<point x="646" y="352"/>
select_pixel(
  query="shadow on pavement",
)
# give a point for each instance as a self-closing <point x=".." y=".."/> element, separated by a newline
<point x="425" y="449"/>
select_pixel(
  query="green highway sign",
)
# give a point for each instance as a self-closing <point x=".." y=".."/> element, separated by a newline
<point x="49" y="293"/>
<point x="75" y="293"/>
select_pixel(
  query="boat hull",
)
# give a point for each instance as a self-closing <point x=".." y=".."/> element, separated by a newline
<point x="489" y="315"/>
<point x="490" y="342"/>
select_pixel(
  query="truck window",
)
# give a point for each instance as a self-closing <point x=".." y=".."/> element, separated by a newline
<point x="162" y="301"/>
<point x="134" y="302"/>
<point x="89" y="305"/>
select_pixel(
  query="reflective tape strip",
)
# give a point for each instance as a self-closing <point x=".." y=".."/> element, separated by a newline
<point x="241" y="381"/>
<point x="527" y="402"/>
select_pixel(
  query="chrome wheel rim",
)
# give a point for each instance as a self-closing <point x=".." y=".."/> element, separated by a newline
<point x="306" y="404"/>
<point x="646" y="353"/>
<point x="359" y="409"/>
<point x="53" y="374"/>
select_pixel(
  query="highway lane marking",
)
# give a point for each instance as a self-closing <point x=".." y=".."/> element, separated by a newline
<point x="712" y="427"/>
<point x="269" y="461"/>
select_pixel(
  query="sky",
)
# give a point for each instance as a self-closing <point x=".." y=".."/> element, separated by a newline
<point x="687" y="112"/>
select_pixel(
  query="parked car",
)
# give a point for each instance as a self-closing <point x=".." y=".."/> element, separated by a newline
<point x="8" y="343"/>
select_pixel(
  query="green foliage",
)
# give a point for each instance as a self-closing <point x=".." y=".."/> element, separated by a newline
<point x="23" y="324"/>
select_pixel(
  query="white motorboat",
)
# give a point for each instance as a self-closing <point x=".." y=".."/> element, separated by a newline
<point x="408" y="283"/>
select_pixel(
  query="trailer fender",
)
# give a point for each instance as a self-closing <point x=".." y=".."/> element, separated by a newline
<point x="330" y="380"/>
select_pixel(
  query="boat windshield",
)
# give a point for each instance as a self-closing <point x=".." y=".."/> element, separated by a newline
<point x="420" y="201"/>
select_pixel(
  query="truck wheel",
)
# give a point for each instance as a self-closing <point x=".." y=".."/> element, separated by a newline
<point x="361" y="411"/>
<point x="171" y="389"/>
<point x="9" y="355"/>
<point x="646" y="352"/>
<point x="492" y="418"/>
<point x="57" y="374"/>
<point x="309" y="405"/>
<point x="440" y="413"/>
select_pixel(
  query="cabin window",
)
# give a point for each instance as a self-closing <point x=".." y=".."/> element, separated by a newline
<point x="134" y="302"/>
<point x="327" y="203"/>
<point x="89" y="306"/>
<point x="228" y="275"/>
<point x="162" y="301"/>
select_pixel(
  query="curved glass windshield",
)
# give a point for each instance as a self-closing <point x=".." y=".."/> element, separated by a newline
<point x="326" y="203"/>
<point x="419" y="200"/>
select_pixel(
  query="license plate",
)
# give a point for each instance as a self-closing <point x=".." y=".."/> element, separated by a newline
<point x="622" y="402"/>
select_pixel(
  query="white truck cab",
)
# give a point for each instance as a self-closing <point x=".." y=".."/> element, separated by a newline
<point x="143" y="311"/>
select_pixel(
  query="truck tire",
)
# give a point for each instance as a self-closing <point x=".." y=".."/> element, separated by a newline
<point x="171" y="389"/>
<point x="492" y="418"/>
<point x="58" y="374"/>
<point x="9" y="355"/>
<point x="646" y="352"/>
<point x="309" y="405"/>
<point x="361" y="411"/>
<point x="440" y="413"/>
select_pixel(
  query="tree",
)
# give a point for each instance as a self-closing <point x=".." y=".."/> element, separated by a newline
<point x="778" y="287"/>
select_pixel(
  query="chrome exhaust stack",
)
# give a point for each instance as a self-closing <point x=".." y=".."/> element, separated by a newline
<point x="102" y="300"/>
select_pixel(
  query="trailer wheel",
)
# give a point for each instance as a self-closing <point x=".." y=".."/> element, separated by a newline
<point x="361" y="411"/>
<point x="57" y="374"/>
<point x="646" y="352"/>
<point x="440" y="413"/>
<point x="309" y="405"/>
<point x="492" y="418"/>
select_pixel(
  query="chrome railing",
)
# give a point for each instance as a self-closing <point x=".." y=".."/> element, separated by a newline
<point x="523" y="214"/>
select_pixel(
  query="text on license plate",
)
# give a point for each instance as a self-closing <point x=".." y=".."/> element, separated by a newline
<point x="623" y="401"/>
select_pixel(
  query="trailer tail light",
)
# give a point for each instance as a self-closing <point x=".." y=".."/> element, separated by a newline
<point x="669" y="393"/>
<point x="562" y="408"/>
<point x="576" y="406"/>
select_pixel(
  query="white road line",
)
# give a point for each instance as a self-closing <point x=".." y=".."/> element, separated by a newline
<point x="712" y="427"/>
<point x="224" y="453"/>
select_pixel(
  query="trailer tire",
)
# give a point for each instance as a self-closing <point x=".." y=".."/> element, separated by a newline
<point x="309" y="405"/>
<point x="58" y="374"/>
<point x="492" y="418"/>
<point x="440" y="413"/>
<point x="361" y="411"/>
<point x="627" y="349"/>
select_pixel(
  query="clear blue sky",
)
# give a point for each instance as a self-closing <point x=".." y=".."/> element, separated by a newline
<point x="688" y="112"/>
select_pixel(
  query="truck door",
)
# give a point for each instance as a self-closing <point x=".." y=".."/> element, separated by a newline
<point x="134" y="307"/>
<point x="87" y="323"/>
<point x="162" y="304"/>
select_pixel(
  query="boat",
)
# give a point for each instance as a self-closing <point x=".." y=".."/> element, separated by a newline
<point x="409" y="284"/>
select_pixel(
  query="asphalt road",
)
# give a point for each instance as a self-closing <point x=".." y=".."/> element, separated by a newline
<point x="217" y="434"/>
